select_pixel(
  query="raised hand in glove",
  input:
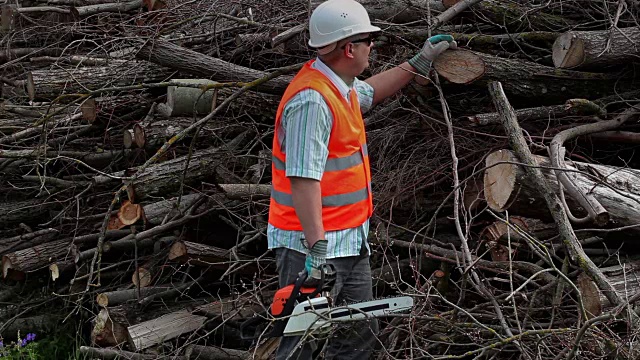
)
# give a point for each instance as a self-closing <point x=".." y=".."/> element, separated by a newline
<point x="316" y="256"/>
<point x="433" y="47"/>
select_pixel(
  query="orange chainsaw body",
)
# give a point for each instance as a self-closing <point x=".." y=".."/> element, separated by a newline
<point x="282" y="295"/>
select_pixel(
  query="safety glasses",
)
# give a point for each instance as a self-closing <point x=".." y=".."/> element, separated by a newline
<point x="368" y="40"/>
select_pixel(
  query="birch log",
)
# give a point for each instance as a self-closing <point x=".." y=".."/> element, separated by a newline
<point x="507" y="188"/>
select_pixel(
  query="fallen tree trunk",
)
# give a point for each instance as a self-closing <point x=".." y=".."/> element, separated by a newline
<point x="526" y="79"/>
<point x="507" y="188"/>
<point x="183" y="59"/>
<point x="515" y="16"/>
<point x="596" y="49"/>
<point x="53" y="82"/>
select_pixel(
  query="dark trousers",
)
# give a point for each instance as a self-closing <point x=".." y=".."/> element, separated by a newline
<point x="353" y="340"/>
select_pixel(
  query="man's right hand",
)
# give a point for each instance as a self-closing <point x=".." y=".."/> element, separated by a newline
<point x="316" y="256"/>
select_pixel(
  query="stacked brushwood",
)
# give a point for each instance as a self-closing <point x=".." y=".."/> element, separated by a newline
<point x="135" y="167"/>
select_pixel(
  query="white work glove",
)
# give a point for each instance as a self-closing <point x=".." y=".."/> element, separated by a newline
<point x="433" y="47"/>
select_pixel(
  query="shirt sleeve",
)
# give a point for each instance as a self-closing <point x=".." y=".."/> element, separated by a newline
<point x="307" y="122"/>
<point x="365" y="94"/>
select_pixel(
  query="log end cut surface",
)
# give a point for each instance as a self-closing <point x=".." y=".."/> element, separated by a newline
<point x="568" y="51"/>
<point x="459" y="66"/>
<point x="500" y="180"/>
<point x="6" y="265"/>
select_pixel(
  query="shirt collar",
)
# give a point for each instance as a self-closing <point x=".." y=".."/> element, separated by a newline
<point x="335" y="79"/>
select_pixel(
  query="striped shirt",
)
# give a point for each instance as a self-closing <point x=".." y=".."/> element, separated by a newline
<point x="304" y="136"/>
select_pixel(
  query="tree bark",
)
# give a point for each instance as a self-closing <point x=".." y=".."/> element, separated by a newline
<point x="113" y="298"/>
<point x="164" y="178"/>
<point x="36" y="257"/>
<point x="53" y="82"/>
<point x="166" y="327"/>
<point x="573" y="107"/>
<point x="516" y="17"/>
<point x="596" y="49"/>
<point x="87" y="10"/>
<point x="526" y="79"/>
<point x="507" y="188"/>
<point x="24" y="241"/>
<point x="167" y="54"/>
<point x="201" y="254"/>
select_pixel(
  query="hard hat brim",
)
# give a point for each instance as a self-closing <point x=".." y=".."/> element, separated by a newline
<point x="365" y="29"/>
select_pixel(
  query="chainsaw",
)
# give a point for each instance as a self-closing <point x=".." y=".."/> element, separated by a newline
<point x="306" y="306"/>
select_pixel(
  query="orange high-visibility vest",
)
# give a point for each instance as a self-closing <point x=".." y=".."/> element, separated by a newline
<point x="346" y="181"/>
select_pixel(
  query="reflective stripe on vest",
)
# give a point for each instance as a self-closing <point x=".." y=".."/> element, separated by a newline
<point x="331" y="200"/>
<point x="333" y="164"/>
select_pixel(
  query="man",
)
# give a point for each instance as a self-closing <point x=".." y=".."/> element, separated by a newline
<point x="321" y="194"/>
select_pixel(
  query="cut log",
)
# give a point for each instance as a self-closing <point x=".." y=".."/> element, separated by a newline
<point x="106" y="332"/>
<point x="113" y="298"/>
<point x="194" y="352"/>
<point x="21" y="242"/>
<point x="526" y="79"/>
<point x="597" y="49"/>
<point x="196" y="253"/>
<point x="157" y="211"/>
<point x="167" y="54"/>
<point x="144" y="275"/>
<point x="53" y="82"/>
<point x="572" y="107"/>
<point x="164" y="178"/>
<point x="7" y="18"/>
<point x="88" y="109"/>
<point x="191" y="101"/>
<point x="624" y="279"/>
<point x="37" y="257"/>
<point x="506" y="188"/>
<point x="129" y="213"/>
<point x="166" y="327"/>
<point x="497" y="235"/>
<point x="88" y="10"/>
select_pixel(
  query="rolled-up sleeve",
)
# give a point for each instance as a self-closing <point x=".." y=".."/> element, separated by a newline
<point x="306" y="121"/>
<point x="365" y="94"/>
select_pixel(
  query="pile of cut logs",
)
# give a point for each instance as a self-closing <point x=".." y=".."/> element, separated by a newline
<point x="135" y="167"/>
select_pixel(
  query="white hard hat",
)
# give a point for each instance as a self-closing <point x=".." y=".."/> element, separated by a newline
<point x="335" y="20"/>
